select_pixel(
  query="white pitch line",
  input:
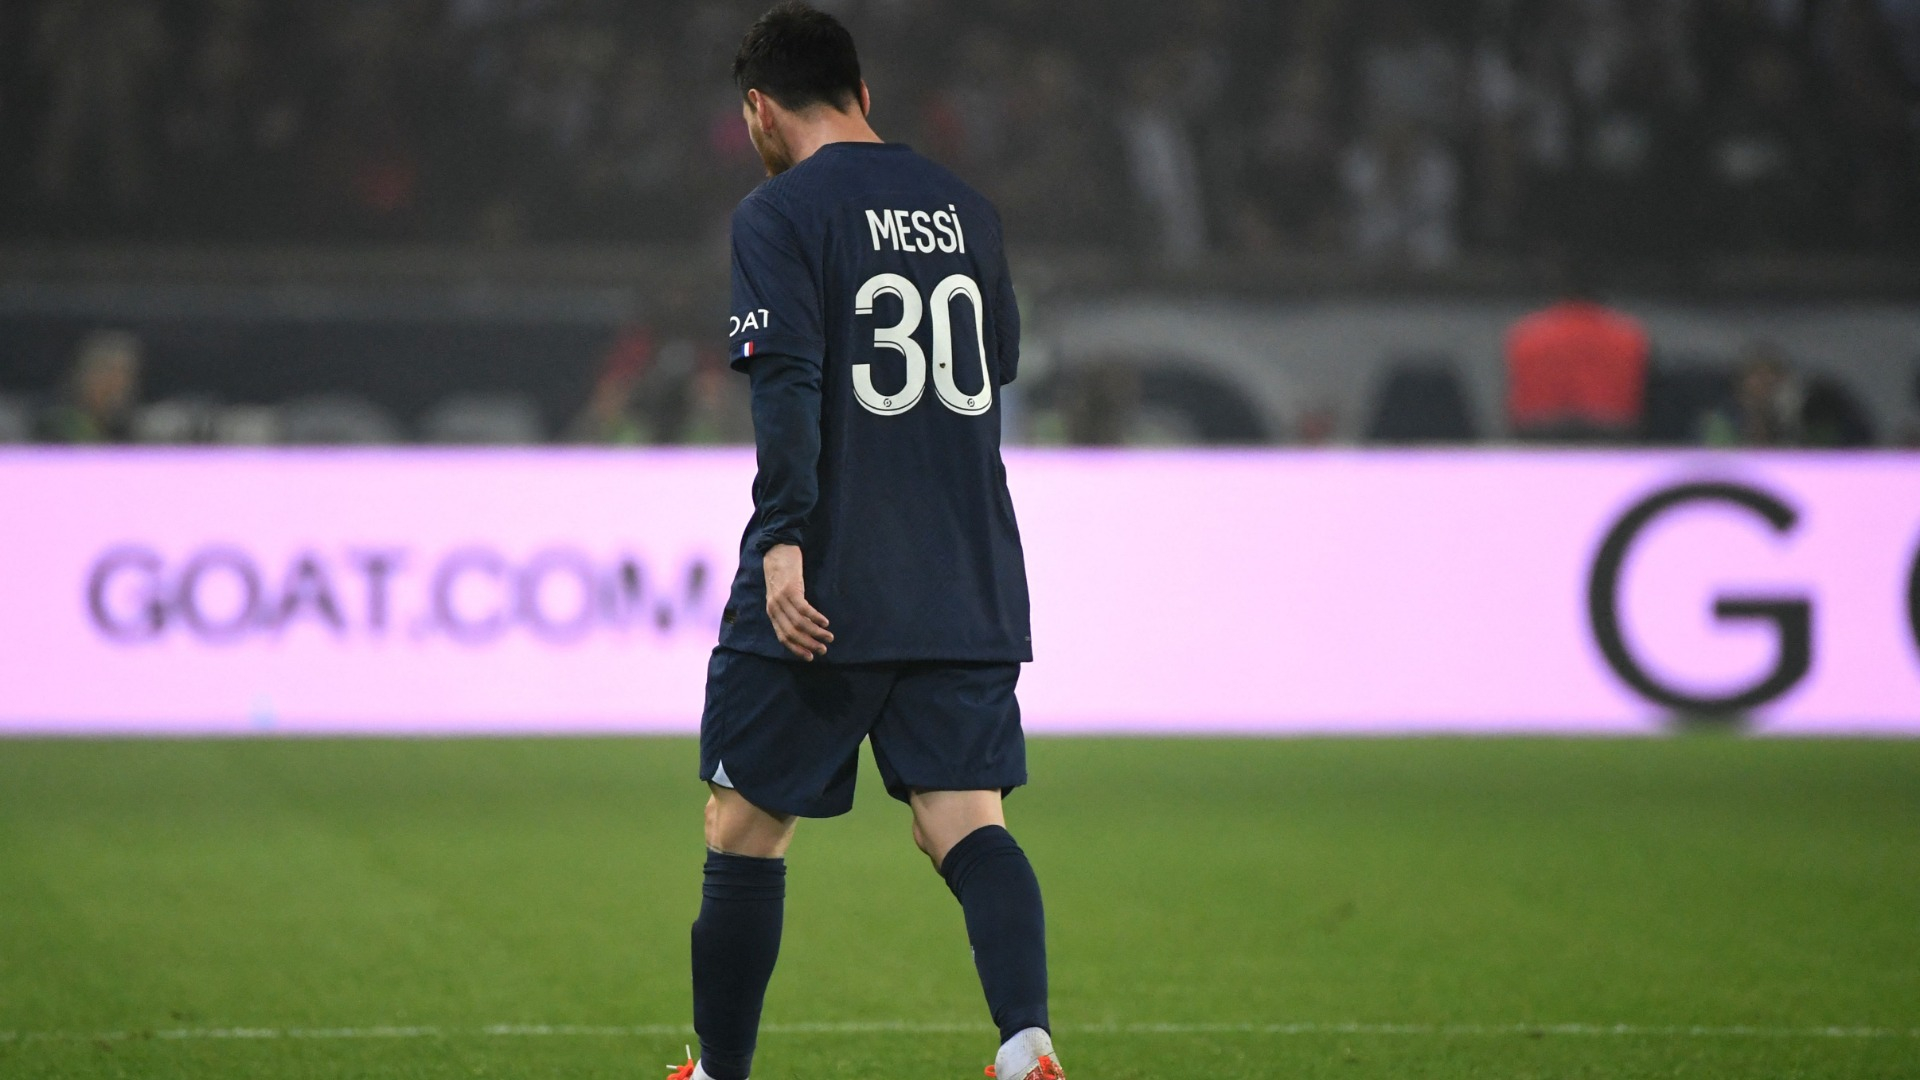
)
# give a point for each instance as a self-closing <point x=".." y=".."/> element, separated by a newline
<point x="912" y="1027"/>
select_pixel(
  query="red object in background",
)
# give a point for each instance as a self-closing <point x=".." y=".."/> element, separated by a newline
<point x="629" y="356"/>
<point x="386" y="185"/>
<point x="1576" y="364"/>
<point x="727" y="138"/>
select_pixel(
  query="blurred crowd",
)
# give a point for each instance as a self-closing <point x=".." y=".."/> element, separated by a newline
<point x="654" y="382"/>
<point x="1576" y="372"/>
<point x="1413" y="132"/>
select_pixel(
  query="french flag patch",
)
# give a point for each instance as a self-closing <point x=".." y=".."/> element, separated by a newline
<point x="747" y="349"/>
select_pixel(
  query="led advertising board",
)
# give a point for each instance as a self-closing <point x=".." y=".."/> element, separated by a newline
<point x="572" y="591"/>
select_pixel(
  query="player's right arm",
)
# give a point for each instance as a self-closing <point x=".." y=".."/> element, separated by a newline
<point x="786" y="436"/>
<point x="801" y="628"/>
<point x="775" y="337"/>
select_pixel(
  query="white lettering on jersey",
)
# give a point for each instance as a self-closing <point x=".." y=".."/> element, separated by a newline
<point x="899" y="338"/>
<point x="917" y="230"/>
<point x="880" y="223"/>
<point x="758" y="319"/>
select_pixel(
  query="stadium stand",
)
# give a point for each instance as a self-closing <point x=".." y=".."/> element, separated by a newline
<point x="1386" y="129"/>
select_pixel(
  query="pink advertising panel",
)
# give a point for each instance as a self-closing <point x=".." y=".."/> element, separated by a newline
<point x="1185" y="592"/>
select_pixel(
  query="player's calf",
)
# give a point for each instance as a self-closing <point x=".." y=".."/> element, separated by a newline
<point x="1006" y="924"/>
<point x="736" y="939"/>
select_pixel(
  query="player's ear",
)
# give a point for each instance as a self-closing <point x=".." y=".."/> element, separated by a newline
<point x="866" y="100"/>
<point x="757" y="110"/>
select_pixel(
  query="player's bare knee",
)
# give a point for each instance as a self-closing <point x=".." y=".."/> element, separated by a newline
<point x="942" y="819"/>
<point x="737" y="827"/>
<point x="761" y="839"/>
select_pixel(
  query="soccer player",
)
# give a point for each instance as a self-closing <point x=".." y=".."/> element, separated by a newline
<point x="882" y="592"/>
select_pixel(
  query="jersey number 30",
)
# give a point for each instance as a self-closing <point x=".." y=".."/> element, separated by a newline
<point x="899" y="338"/>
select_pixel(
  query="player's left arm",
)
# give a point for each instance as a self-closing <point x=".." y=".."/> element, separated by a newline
<point x="1006" y="327"/>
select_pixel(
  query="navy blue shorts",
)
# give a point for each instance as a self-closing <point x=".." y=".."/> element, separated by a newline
<point x="786" y="734"/>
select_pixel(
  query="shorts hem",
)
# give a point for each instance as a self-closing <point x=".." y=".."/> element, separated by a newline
<point x="815" y="810"/>
<point x="903" y="791"/>
<point x="776" y="651"/>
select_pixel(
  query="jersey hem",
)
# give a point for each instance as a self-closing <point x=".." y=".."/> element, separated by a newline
<point x="940" y="655"/>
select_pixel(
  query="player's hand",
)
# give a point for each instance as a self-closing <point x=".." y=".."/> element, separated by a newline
<point x="795" y="622"/>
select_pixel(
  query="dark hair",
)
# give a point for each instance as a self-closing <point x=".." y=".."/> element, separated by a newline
<point x="800" y="57"/>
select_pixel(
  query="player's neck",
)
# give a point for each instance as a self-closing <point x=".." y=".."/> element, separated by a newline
<point x="826" y="127"/>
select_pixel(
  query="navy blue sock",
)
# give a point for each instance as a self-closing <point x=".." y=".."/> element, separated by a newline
<point x="736" y="940"/>
<point x="994" y="882"/>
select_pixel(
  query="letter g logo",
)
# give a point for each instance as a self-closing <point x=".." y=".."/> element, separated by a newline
<point x="1792" y="616"/>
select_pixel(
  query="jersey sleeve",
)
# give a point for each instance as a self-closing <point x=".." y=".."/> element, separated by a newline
<point x="776" y="293"/>
<point x="786" y="437"/>
<point x="1006" y="325"/>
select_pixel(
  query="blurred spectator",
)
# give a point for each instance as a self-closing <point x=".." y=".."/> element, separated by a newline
<point x="1576" y="371"/>
<point x="1403" y="189"/>
<point x="1767" y="400"/>
<point x="1400" y="173"/>
<point x="102" y="391"/>
<point x="611" y="413"/>
<point x="1163" y="161"/>
<point x="719" y="410"/>
<point x="1774" y="406"/>
<point x="690" y="395"/>
<point x="1292" y="181"/>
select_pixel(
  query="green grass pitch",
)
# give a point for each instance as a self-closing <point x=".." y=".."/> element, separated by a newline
<point x="1310" y="908"/>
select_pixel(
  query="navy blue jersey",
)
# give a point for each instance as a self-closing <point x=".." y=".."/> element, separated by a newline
<point x="873" y="309"/>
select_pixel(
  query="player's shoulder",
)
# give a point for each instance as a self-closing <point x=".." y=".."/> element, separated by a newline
<point x="842" y="171"/>
<point x="760" y="206"/>
<point x="938" y="176"/>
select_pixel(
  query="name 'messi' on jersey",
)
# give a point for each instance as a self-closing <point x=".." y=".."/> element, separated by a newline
<point x="917" y="230"/>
